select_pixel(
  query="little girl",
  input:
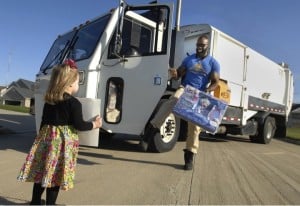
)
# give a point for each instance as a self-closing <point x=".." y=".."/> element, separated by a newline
<point x="52" y="159"/>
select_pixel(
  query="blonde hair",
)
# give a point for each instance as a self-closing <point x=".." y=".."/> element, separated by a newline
<point x="61" y="78"/>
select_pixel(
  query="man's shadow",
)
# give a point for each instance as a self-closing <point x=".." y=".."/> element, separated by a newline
<point x="128" y="144"/>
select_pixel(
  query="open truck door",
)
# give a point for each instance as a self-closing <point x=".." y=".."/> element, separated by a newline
<point x="134" y="68"/>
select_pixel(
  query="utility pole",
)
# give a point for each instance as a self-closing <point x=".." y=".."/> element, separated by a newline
<point x="8" y="69"/>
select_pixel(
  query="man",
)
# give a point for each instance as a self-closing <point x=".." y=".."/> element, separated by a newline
<point x="201" y="71"/>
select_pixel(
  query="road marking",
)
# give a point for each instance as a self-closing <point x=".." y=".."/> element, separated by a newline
<point x="5" y="120"/>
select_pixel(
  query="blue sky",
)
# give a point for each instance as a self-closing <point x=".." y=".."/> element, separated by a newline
<point x="29" y="27"/>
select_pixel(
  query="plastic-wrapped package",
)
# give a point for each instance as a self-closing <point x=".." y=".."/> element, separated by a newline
<point x="200" y="108"/>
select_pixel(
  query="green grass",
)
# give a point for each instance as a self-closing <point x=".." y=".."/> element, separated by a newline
<point x="293" y="132"/>
<point x="15" y="108"/>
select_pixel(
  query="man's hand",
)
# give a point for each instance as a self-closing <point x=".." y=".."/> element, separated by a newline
<point x="214" y="81"/>
<point x="173" y="73"/>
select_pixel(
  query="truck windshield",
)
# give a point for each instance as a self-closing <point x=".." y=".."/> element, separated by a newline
<point x="77" y="44"/>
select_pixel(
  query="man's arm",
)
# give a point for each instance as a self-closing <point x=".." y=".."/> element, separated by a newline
<point x="177" y="73"/>
<point x="214" y="81"/>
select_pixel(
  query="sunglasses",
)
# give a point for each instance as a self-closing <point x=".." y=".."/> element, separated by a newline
<point x="201" y="45"/>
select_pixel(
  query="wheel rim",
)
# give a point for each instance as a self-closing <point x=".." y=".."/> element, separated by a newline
<point x="168" y="129"/>
<point x="269" y="130"/>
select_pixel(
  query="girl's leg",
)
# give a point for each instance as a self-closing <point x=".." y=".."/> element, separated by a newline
<point x="51" y="195"/>
<point x="37" y="194"/>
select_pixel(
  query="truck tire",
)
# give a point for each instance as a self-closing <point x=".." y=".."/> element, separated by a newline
<point x="265" y="131"/>
<point x="166" y="137"/>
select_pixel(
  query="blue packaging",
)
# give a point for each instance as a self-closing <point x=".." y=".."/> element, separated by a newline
<point x="200" y="108"/>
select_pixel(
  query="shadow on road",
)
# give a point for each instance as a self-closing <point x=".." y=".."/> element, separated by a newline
<point x="16" y="123"/>
<point x="17" y="131"/>
<point x="12" y="201"/>
<point x="222" y="138"/>
<point x="18" y="142"/>
<point x="111" y="157"/>
<point x="119" y="143"/>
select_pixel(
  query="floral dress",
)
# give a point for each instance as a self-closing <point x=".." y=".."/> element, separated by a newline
<point x="52" y="158"/>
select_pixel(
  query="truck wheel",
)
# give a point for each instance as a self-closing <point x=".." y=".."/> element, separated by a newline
<point x="266" y="131"/>
<point x="165" y="139"/>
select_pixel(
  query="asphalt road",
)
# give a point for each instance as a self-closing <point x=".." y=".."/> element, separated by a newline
<point x="227" y="171"/>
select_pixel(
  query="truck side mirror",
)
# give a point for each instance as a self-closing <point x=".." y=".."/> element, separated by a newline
<point x="118" y="37"/>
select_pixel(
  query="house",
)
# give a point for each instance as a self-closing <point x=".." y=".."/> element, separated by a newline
<point x="20" y="92"/>
<point x="294" y="117"/>
<point x="2" y="90"/>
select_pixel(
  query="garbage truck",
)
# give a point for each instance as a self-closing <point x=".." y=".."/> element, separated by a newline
<point x="124" y="56"/>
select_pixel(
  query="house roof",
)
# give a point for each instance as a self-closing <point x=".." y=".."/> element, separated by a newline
<point x="296" y="110"/>
<point x="18" y="90"/>
<point x="16" y="93"/>
<point x="23" y="83"/>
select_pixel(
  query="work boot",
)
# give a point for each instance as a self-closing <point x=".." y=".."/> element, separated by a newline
<point x="188" y="159"/>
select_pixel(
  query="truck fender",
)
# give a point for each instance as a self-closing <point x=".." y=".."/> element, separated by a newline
<point x="260" y="117"/>
<point x="164" y="138"/>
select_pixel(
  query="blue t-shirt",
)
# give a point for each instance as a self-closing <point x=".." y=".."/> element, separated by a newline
<point x="197" y="71"/>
